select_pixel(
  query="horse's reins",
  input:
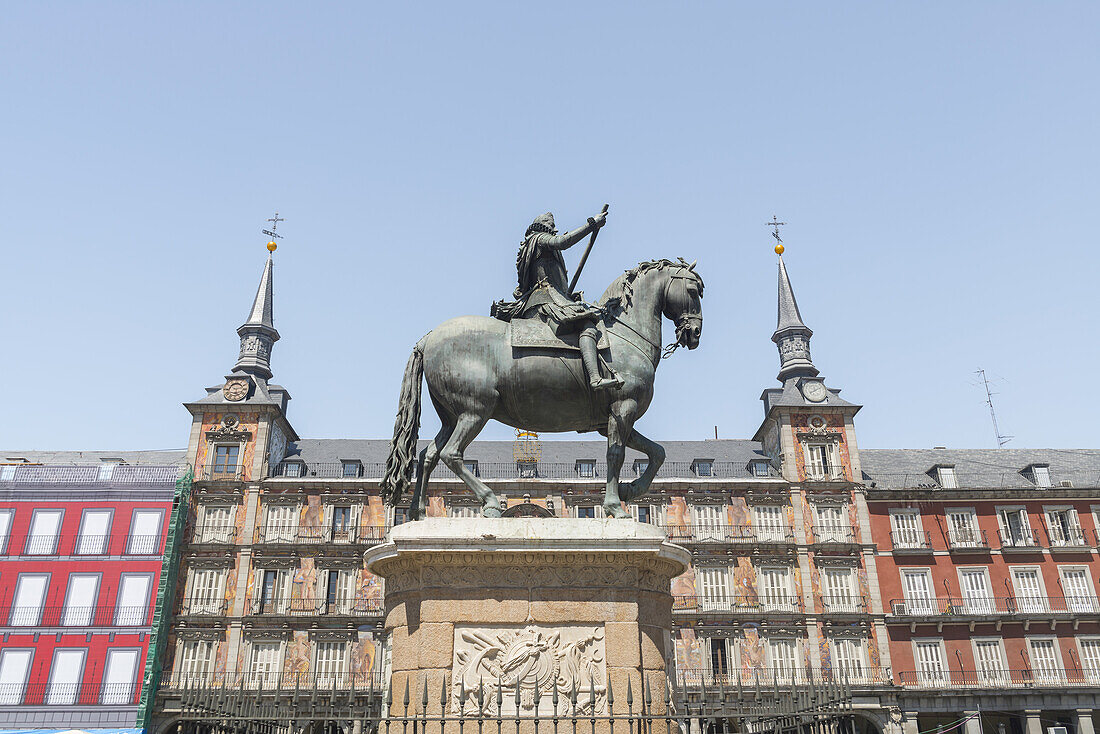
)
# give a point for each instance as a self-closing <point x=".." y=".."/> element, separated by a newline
<point x="683" y="323"/>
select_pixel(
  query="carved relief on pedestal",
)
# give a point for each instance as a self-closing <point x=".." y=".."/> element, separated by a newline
<point x="529" y="658"/>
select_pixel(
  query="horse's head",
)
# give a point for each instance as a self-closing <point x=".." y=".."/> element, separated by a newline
<point x="683" y="303"/>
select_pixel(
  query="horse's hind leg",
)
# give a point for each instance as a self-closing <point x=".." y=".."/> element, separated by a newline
<point x="466" y="429"/>
<point x="429" y="457"/>
<point x="655" y="452"/>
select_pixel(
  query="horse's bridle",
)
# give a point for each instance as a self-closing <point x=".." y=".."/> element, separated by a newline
<point x="685" y="321"/>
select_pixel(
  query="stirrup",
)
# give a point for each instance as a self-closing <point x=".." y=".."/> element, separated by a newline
<point x="607" y="383"/>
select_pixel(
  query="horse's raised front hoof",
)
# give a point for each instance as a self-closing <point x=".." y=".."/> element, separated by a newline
<point x="490" y="512"/>
<point x="615" y="510"/>
<point x="628" y="491"/>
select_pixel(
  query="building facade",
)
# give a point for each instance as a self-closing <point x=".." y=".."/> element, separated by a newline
<point x="81" y="545"/>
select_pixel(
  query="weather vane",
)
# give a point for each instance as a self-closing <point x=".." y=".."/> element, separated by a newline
<point x="773" y="223"/>
<point x="271" y="232"/>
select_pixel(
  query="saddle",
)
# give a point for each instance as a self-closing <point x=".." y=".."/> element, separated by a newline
<point x="534" y="333"/>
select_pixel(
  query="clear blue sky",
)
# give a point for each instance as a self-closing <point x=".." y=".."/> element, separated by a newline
<point x="937" y="164"/>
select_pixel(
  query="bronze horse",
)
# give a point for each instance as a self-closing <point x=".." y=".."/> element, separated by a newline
<point x="473" y="375"/>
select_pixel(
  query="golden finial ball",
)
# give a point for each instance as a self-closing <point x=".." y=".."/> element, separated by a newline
<point x="779" y="249"/>
<point x="271" y="246"/>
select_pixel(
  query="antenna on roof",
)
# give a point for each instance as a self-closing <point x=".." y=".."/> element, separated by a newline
<point x="1001" y="438"/>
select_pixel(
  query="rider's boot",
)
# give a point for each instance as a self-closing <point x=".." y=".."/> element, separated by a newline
<point x="592" y="364"/>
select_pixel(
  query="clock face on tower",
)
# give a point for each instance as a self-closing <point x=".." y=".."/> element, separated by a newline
<point x="235" y="389"/>
<point x="815" y="392"/>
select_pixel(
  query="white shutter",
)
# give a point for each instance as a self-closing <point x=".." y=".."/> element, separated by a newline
<point x="15" y="665"/>
<point x="918" y="592"/>
<point x="30" y="594"/>
<point x="713" y="588"/>
<point x="930" y="667"/>
<point x="1029" y="590"/>
<point x="145" y="532"/>
<point x="65" y="673"/>
<point x="80" y="600"/>
<point x="133" y="599"/>
<point x="709" y="522"/>
<point x="991" y="665"/>
<point x="119" y="676"/>
<point x="198" y="661"/>
<point x="907" y="530"/>
<point x="784" y="659"/>
<point x="975" y="587"/>
<point x="1090" y="659"/>
<point x="94" y="530"/>
<point x="770" y="523"/>
<point x="815" y="467"/>
<point x="217" y="524"/>
<point x="1015" y="531"/>
<point x="280" y="523"/>
<point x="962" y="529"/>
<point x="831" y="523"/>
<point x="42" y="538"/>
<point x="838" y="590"/>
<point x="206" y="591"/>
<point x="1079" y="596"/>
<point x="331" y="663"/>
<point x="265" y="664"/>
<point x="849" y="658"/>
<point x="1044" y="660"/>
<point x="776" y="589"/>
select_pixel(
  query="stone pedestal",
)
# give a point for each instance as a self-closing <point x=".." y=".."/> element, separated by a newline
<point x="528" y="604"/>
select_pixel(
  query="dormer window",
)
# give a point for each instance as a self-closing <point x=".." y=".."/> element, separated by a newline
<point x="640" y="465"/>
<point x="586" y="468"/>
<point x="293" y="469"/>
<point x="1040" y="474"/>
<point x="527" y="469"/>
<point x="945" y="475"/>
<point x="471" y="466"/>
<point x="703" y="467"/>
<point x="351" y="469"/>
<point x="759" y="468"/>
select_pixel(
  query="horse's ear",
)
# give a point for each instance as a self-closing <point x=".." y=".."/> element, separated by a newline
<point x="692" y="266"/>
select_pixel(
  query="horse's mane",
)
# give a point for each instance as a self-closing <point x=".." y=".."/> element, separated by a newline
<point x="617" y="296"/>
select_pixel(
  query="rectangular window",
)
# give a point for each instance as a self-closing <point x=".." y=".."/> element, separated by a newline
<point x="930" y="667"/>
<point x="837" y="590"/>
<point x="962" y="529"/>
<point x="42" y="538"/>
<point x="197" y="661"/>
<point x="1090" y="658"/>
<point x="770" y="522"/>
<point x="1030" y="595"/>
<point x="640" y="466"/>
<point x="849" y="658"/>
<point x="145" y="528"/>
<point x="351" y="469"/>
<point x="217" y="524"/>
<point x="80" y="600"/>
<point x="340" y="591"/>
<point x="918" y="592"/>
<point x="832" y="523"/>
<point x="471" y="466"/>
<point x="1045" y="661"/>
<point x="990" y="661"/>
<point x="1078" y="590"/>
<point x="719" y="656"/>
<point x="1042" y="475"/>
<point x="273" y="592"/>
<point x="65" y="674"/>
<point x="95" y="529"/>
<point x="712" y="585"/>
<point x="30" y="594"/>
<point x="586" y="512"/>
<point x="907" y="530"/>
<point x="463" y="511"/>
<point x="400" y="515"/>
<point x="1015" y="529"/>
<point x="642" y="513"/>
<point x="586" y="469"/>
<point x="783" y="659"/>
<point x="225" y="461"/>
<point x="1064" y="528"/>
<point x="331" y="663"/>
<point x="775" y="589"/>
<point x="821" y="461"/>
<point x="977" y="597"/>
<point x="207" y="591"/>
<point x="265" y="665"/>
<point x="6" y="517"/>
<point x="133" y="599"/>
<point x="292" y="469"/>
<point x="15" y="666"/>
<point x="341" y="523"/>
<point x="119" y="677"/>
<point x="947" y="478"/>
<point x="760" y="469"/>
<point x="281" y="523"/>
<point x="703" y="468"/>
<point x="710" y="522"/>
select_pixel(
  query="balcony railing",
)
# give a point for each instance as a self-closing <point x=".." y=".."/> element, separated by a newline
<point x="74" y="616"/>
<point x="843" y="604"/>
<point x="826" y="534"/>
<point x="215" y="534"/>
<point x="1018" y="539"/>
<point x="222" y="473"/>
<point x="130" y="476"/>
<point x="967" y="540"/>
<point x="84" y="545"/>
<point x="996" y="678"/>
<point x="956" y="606"/>
<point x="79" y="694"/>
<point x="204" y="607"/>
<point x="1074" y="538"/>
<point x="736" y="605"/>
<point x="521" y="470"/>
<point x="911" y="541"/>
<point x="319" y="535"/>
<point x="365" y="683"/>
<point x="309" y="607"/>
<point x="738" y="534"/>
<point x="734" y="677"/>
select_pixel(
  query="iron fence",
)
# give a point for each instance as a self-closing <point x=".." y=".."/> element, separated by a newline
<point x="84" y="545"/>
<point x="31" y="476"/>
<point x="201" y="607"/>
<point x="983" y="606"/>
<point x="753" y="678"/>
<point x="319" y="534"/>
<point x="843" y="604"/>
<point x="998" y="678"/>
<point x="910" y="540"/>
<point x="311" y="606"/>
<point x="702" y="604"/>
<point x="68" y="694"/>
<point x="582" y="471"/>
<point x="74" y="616"/>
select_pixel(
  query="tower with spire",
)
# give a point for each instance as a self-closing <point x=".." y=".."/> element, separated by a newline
<point x="808" y="428"/>
<point x="239" y="429"/>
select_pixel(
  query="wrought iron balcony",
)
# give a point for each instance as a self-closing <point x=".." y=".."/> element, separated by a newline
<point x="200" y="607"/>
<point x="69" y="694"/>
<point x="222" y="473"/>
<point x="768" y="678"/>
<point x="1072" y="539"/>
<point x="911" y="541"/>
<point x="319" y="535"/>
<point x="938" y="608"/>
<point x="733" y="534"/>
<point x="368" y="683"/>
<point x="519" y="470"/>
<point x="733" y="605"/>
<point x="74" y="616"/>
<point x="214" y="535"/>
<point x="833" y="535"/>
<point x="967" y="541"/>
<point x="1019" y="539"/>
<point x="996" y="678"/>
<point x="358" y="607"/>
<point x="843" y="604"/>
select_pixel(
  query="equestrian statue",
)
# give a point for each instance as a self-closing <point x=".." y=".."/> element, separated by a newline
<point x="538" y="363"/>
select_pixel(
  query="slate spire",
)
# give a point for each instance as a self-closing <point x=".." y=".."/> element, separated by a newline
<point x="258" y="334"/>
<point x="791" y="336"/>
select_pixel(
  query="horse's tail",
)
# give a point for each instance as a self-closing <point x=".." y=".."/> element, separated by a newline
<point x="406" y="430"/>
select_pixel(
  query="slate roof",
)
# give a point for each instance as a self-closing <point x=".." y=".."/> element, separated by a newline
<point x="897" y="468"/>
<point x="160" y="457"/>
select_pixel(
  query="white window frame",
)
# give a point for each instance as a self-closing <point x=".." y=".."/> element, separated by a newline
<point x="84" y="545"/>
<point x="1081" y="603"/>
<point x="35" y="543"/>
<point x="586" y="468"/>
<point x="349" y="533"/>
<point x="929" y="677"/>
<point x="709" y="522"/>
<point x="982" y="602"/>
<point x="835" y="529"/>
<point x="191" y="667"/>
<point x="218" y="533"/>
<point x="847" y="600"/>
<point x="144" y="544"/>
<point x="1070" y="536"/>
<point x="1027" y="539"/>
<point x="1090" y="664"/>
<point x="916" y="605"/>
<point x="208" y="603"/>
<point x="324" y="678"/>
<point x="906" y="537"/>
<point x="12" y="692"/>
<point x="7" y="517"/>
<point x="1057" y="675"/>
<point x="346" y="584"/>
<point x="946" y="477"/>
<point x="65" y="692"/>
<point x="728" y="644"/>
<point x="823" y="467"/>
<point x="786" y="600"/>
<point x="120" y="692"/>
<point x="996" y="673"/>
<point x="787" y="670"/>
<point x="963" y="537"/>
<point x="265" y="679"/>
<point x="1041" y="474"/>
<point x="28" y="615"/>
<point x="80" y="612"/>
<point x="133" y="615"/>
<point x="713" y="584"/>
<point x="279" y="603"/>
<point x="858" y="646"/>
<point x="769" y="523"/>
<point x="281" y="532"/>
<point x="1026" y="604"/>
